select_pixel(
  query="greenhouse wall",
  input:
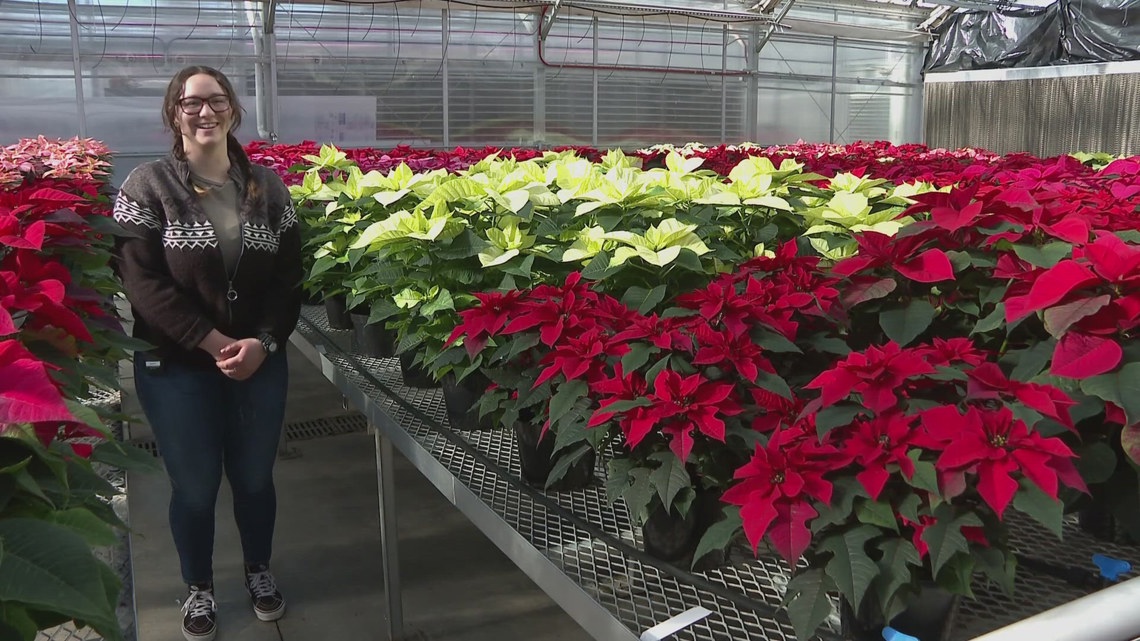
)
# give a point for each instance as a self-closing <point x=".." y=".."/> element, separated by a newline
<point x="1045" y="111"/>
<point x="442" y="75"/>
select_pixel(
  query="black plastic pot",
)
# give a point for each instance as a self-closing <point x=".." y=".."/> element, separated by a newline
<point x="461" y="399"/>
<point x="415" y="375"/>
<point x="930" y="617"/>
<point x="538" y="458"/>
<point x="337" y="312"/>
<point x="669" y="537"/>
<point x="375" y="340"/>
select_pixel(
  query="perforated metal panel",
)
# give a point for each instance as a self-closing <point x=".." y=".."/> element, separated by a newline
<point x="595" y="544"/>
<point x="1042" y="116"/>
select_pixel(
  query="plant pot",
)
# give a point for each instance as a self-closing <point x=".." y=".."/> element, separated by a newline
<point x="375" y="340"/>
<point x="669" y="537"/>
<point x="538" y="458"/>
<point x="461" y="398"/>
<point x="415" y="375"/>
<point x="930" y="616"/>
<point x="337" y="312"/>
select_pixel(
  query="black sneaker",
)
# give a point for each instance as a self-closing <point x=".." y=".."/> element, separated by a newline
<point x="200" y="614"/>
<point x="268" y="604"/>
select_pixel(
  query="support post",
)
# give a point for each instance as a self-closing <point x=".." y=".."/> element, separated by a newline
<point x="445" y="35"/>
<point x="77" y="66"/>
<point x="389" y="537"/>
<point x="594" y="73"/>
<point x="752" y="107"/>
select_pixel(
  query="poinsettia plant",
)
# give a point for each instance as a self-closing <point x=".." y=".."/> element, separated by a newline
<point x="900" y="474"/>
<point x="60" y="341"/>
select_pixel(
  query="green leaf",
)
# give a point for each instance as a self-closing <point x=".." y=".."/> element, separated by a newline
<point x="670" y="478"/>
<point x="643" y="300"/>
<point x="877" y="513"/>
<point x="635" y="358"/>
<point x="829" y="345"/>
<point x="925" y="477"/>
<point x="1045" y="256"/>
<point x="1095" y="462"/>
<point x="898" y="556"/>
<point x="48" y="567"/>
<point x="1044" y="509"/>
<point x="1121" y="387"/>
<point x="19" y="624"/>
<point x="945" y="538"/>
<point x="905" y="325"/>
<point x="958" y="576"/>
<point x="850" y="567"/>
<point x="719" y="534"/>
<point x="125" y="343"/>
<point x="597" y="267"/>
<point x="773" y="383"/>
<point x="774" y="342"/>
<point x="835" y="416"/>
<point x="651" y="375"/>
<point x="1000" y="568"/>
<point x="807" y="601"/>
<point x="85" y="524"/>
<point x="638" y="495"/>
<point x="617" y="478"/>
<point x="568" y="393"/>
<point x="994" y="320"/>
<point x="1031" y="361"/>
<point x="563" y="462"/>
<point x="838" y="511"/>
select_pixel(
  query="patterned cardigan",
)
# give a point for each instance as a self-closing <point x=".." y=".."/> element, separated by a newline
<point x="172" y="270"/>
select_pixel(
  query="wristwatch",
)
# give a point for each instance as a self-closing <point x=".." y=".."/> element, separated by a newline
<point x="268" y="342"/>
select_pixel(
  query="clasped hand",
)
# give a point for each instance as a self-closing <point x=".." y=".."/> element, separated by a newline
<point x="241" y="358"/>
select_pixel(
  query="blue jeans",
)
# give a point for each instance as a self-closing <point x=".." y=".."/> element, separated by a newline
<point x="203" y="423"/>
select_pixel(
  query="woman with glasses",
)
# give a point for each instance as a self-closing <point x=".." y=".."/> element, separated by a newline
<point x="212" y="270"/>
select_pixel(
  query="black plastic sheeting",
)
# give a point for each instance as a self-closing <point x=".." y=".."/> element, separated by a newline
<point x="1067" y="32"/>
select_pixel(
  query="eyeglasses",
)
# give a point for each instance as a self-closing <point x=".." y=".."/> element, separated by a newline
<point x="193" y="106"/>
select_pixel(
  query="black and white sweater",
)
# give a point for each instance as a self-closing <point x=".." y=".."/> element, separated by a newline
<point x="172" y="269"/>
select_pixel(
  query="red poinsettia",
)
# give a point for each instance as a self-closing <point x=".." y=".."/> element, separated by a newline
<point x="485" y="320"/>
<point x="876" y="375"/>
<point x="878" y="444"/>
<point x="682" y="404"/>
<point x="776" y="489"/>
<point x="994" y="446"/>
<point x="899" y="253"/>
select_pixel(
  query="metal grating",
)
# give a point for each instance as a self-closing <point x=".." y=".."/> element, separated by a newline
<point x="637" y="590"/>
<point x="297" y="430"/>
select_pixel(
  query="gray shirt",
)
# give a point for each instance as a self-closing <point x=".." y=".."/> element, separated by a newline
<point x="220" y="201"/>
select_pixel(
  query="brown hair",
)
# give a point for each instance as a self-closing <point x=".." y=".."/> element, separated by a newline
<point x="170" y="116"/>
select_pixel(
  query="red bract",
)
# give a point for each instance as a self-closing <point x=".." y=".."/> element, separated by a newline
<point x="574" y="356"/>
<point x="1049" y="289"/>
<point x="995" y="446"/>
<point x="738" y="352"/>
<point x="877" y="443"/>
<point x="954" y="350"/>
<point x="664" y="333"/>
<point x="899" y="253"/>
<point x="682" y="404"/>
<point x="775" y="490"/>
<point x="720" y="305"/>
<point x="27" y="393"/>
<point x="988" y="382"/>
<point x="876" y="375"/>
<point x="550" y="308"/>
<point x="485" y="320"/>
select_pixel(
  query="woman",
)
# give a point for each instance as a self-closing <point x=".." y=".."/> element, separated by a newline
<point x="212" y="270"/>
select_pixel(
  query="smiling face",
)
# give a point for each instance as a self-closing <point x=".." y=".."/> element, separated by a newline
<point x="204" y="112"/>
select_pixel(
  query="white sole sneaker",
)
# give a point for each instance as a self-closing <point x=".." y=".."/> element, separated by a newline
<point x="270" y="616"/>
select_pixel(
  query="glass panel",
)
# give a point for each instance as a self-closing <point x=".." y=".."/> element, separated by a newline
<point x="37" y="78"/>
